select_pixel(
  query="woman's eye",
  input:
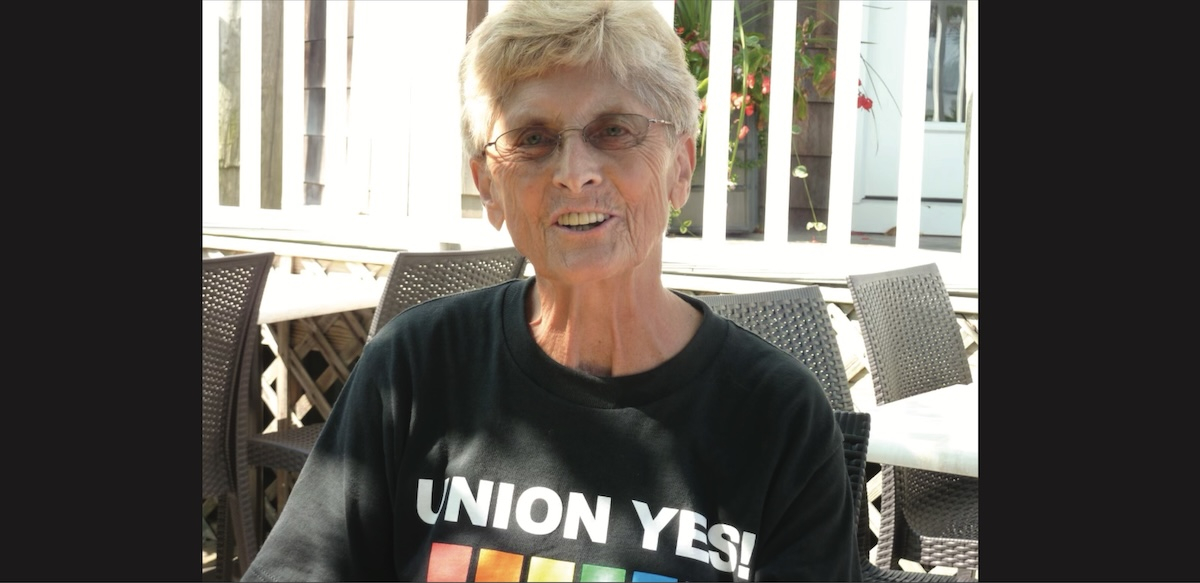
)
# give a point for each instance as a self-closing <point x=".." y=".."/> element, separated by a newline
<point x="534" y="138"/>
<point x="610" y="136"/>
<point x="613" y="130"/>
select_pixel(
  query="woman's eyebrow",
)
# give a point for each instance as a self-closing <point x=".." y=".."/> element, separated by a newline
<point x="528" y="117"/>
<point x="533" y="121"/>
<point x="534" y="118"/>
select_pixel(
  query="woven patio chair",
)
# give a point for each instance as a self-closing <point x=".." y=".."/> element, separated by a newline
<point x="232" y="292"/>
<point x="913" y="346"/>
<point x="415" y="277"/>
<point x="856" y="432"/>
<point x="797" y="321"/>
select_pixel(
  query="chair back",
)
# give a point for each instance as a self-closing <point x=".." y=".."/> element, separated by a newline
<point x="914" y="346"/>
<point x="419" y="276"/>
<point x="796" y="320"/>
<point x="232" y="292"/>
<point x="910" y="332"/>
<point x="233" y="288"/>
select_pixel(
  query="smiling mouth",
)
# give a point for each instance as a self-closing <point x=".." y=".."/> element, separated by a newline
<point x="581" y="221"/>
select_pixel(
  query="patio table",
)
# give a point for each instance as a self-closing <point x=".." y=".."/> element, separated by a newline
<point x="302" y="314"/>
<point x="307" y="319"/>
<point x="290" y="296"/>
<point x="937" y="431"/>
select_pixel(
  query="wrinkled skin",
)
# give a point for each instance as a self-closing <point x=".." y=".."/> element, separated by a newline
<point x="599" y="304"/>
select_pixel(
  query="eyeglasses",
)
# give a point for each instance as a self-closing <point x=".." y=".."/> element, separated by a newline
<point x="615" y="131"/>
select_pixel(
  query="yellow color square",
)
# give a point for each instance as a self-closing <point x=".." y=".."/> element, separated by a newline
<point x="542" y="569"/>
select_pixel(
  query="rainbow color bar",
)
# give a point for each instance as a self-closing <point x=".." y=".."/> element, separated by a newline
<point x="449" y="562"/>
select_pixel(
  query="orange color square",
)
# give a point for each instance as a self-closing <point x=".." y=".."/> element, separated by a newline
<point x="498" y="566"/>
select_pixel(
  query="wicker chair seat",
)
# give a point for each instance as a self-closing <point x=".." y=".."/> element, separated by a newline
<point x="285" y="450"/>
<point x="856" y="430"/>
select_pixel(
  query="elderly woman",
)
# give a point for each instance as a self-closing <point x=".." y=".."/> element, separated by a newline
<point x="586" y="423"/>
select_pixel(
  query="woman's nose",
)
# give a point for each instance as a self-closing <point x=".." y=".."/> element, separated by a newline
<point x="577" y="164"/>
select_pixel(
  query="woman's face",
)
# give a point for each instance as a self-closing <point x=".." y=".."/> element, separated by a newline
<point x="581" y="213"/>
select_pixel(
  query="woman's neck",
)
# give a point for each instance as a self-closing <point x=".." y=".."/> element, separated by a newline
<point x="612" y="327"/>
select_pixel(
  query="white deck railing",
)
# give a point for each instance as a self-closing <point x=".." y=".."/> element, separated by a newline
<point x="382" y="171"/>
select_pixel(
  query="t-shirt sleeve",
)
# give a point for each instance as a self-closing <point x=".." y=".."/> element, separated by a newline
<point x="813" y="536"/>
<point x="337" y="523"/>
<point x="819" y="530"/>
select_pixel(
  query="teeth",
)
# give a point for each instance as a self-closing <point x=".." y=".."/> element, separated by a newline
<point x="574" y="219"/>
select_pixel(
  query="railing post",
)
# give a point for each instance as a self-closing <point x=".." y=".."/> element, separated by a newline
<point x="250" y="110"/>
<point x="335" y="195"/>
<point x="845" y="123"/>
<point x="382" y="103"/>
<point x="912" y="125"/>
<point x="779" y="140"/>
<point x="667" y="9"/>
<point x="435" y="162"/>
<point x="210" y="177"/>
<point x="716" y="152"/>
<point x="356" y="183"/>
<point x="292" y="81"/>
<point x="970" y="226"/>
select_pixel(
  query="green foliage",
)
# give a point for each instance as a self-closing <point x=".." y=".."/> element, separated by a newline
<point x="684" y="226"/>
<point x="750" y="84"/>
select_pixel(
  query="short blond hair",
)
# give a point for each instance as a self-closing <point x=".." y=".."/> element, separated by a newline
<point x="530" y="37"/>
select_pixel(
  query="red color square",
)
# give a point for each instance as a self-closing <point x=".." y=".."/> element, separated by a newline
<point x="448" y="562"/>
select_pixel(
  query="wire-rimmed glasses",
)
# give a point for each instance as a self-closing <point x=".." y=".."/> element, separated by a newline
<point x="614" y="131"/>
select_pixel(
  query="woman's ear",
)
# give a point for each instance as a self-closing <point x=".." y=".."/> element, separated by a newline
<point x="685" y="165"/>
<point x="483" y="182"/>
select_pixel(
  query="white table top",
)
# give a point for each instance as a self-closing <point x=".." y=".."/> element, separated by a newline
<point x="938" y="431"/>
<point x="292" y="296"/>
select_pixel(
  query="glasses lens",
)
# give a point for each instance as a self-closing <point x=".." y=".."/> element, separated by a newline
<point x="617" y="131"/>
<point x="527" y="143"/>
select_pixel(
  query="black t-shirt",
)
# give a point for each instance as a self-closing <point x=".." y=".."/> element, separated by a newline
<point x="459" y="451"/>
